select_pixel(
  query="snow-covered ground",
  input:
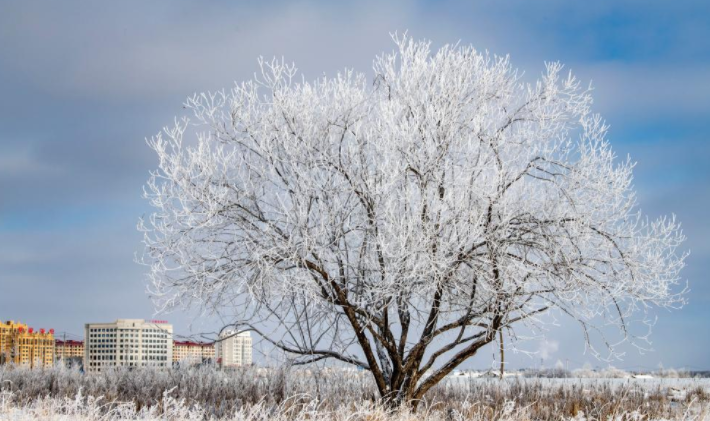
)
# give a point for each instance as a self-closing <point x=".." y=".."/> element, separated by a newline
<point x="645" y="382"/>
<point x="272" y="394"/>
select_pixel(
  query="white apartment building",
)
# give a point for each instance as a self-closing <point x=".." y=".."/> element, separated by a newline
<point x="128" y="342"/>
<point x="233" y="349"/>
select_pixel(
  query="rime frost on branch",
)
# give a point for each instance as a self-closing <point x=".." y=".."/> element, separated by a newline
<point x="398" y="223"/>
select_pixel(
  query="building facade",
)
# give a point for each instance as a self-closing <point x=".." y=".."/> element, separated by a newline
<point x="69" y="351"/>
<point x="128" y="342"/>
<point x="234" y="349"/>
<point x="22" y="345"/>
<point x="192" y="352"/>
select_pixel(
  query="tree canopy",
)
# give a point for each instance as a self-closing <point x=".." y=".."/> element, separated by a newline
<point x="400" y="222"/>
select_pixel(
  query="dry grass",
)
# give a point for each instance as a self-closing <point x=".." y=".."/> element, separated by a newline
<point x="278" y="394"/>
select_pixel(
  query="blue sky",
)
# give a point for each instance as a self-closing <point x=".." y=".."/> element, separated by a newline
<point x="84" y="83"/>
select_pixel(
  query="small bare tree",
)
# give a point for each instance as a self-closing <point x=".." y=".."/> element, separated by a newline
<point x="399" y="224"/>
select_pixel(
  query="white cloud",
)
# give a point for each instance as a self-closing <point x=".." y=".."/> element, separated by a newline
<point x="547" y="348"/>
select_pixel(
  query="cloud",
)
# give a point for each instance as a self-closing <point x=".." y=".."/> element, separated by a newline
<point x="187" y="48"/>
<point x="22" y="161"/>
<point x="547" y="348"/>
<point x="639" y="92"/>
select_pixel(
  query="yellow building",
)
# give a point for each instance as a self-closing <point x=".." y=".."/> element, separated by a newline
<point x="192" y="352"/>
<point x="68" y="349"/>
<point x="22" y="345"/>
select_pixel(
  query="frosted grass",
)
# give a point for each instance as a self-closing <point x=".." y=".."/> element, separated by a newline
<point x="280" y="394"/>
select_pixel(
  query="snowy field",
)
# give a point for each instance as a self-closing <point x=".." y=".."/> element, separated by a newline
<point x="275" y="394"/>
<point x="646" y="384"/>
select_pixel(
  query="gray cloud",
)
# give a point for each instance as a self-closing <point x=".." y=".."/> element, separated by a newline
<point x="639" y="92"/>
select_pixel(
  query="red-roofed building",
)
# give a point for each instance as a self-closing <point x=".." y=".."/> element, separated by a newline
<point x="22" y="345"/>
<point x="192" y="352"/>
<point x="64" y="350"/>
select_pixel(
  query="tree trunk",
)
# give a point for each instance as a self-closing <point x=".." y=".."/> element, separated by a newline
<point x="401" y="394"/>
<point x="502" y="354"/>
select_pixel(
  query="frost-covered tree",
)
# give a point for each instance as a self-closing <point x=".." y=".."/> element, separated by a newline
<point x="399" y="223"/>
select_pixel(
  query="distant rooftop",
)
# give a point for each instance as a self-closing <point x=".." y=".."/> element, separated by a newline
<point x="192" y="343"/>
<point x="69" y="342"/>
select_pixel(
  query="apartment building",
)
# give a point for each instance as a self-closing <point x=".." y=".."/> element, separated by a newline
<point x="234" y="349"/>
<point x="6" y="341"/>
<point x="69" y="351"/>
<point x="22" y="345"/>
<point x="128" y="342"/>
<point x="192" y="352"/>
